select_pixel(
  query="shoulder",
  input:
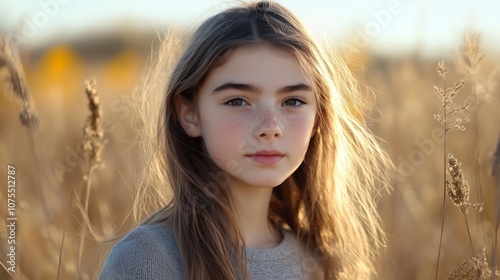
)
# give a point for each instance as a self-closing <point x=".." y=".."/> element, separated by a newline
<point x="147" y="252"/>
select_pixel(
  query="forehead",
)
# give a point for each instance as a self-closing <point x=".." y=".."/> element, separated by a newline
<point x="259" y="63"/>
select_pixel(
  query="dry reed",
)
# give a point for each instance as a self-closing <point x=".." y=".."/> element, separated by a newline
<point x="468" y="63"/>
<point x="443" y="117"/>
<point x="14" y="81"/>
<point x="91" y="148"/>
<point x="93" y="143"/>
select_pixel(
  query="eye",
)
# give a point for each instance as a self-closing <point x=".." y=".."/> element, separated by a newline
<point x="293" y="102"/>
<point x="236" y="102"/>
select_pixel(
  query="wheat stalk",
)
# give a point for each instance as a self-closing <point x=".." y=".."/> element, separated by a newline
<point x="91" y="149"/>
<point x="93" y="143"/>
<point x="93" y="140"/>
<point x="14" y="81"/>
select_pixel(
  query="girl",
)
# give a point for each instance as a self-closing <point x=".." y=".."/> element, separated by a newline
<point x="269" y="166"/>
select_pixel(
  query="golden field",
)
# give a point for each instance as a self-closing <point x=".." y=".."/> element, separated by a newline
<point x="55" y="195"/>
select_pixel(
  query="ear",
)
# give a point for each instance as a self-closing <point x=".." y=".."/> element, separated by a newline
<point x="188" y="116"/>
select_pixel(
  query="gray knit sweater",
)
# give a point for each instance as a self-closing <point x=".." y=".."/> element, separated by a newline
<point x="151" y="252"/>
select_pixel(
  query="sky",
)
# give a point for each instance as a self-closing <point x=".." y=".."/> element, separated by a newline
<point x="384" y="25"/>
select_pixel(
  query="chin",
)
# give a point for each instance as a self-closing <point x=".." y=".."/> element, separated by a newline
<point x="269" y="183"/>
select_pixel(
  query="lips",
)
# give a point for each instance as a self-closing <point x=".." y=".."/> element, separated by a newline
<point x="266" y="157"/>
<point x="268" y="153"/>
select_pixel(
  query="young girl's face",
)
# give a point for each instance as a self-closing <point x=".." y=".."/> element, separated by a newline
<point x="256" y="115"/>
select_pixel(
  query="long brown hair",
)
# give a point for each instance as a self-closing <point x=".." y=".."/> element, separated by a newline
<point x="327" y="202"/>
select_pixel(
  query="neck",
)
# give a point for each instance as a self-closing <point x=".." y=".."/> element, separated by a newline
<point x="252" y="207"/>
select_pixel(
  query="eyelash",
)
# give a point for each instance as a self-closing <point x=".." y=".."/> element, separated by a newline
<point x="296" y="98"/>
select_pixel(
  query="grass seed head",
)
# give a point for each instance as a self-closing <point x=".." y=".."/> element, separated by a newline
<point x="28" y="116"/>
<point x="14" y="83"/>
<point x="458" y="188"/>
<point x="475" y="267"/>
<point x="442" y="70"/>
<point x="456" y="88"/>
<point x="467" y="60"/>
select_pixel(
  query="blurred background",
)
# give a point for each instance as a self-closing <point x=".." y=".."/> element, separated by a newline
<point x="392" y="46"/>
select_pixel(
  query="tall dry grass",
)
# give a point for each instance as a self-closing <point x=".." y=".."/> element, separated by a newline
<point x="61" y="229"/>
<point x="77" y="174"/>
<point x="416" y="192"/>
<point x="468" y="63"/>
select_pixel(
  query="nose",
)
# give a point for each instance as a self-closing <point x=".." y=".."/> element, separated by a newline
<point x="269" y="126"/>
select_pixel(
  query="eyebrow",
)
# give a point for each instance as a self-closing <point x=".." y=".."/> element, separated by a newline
<point x="255" y="89"/>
